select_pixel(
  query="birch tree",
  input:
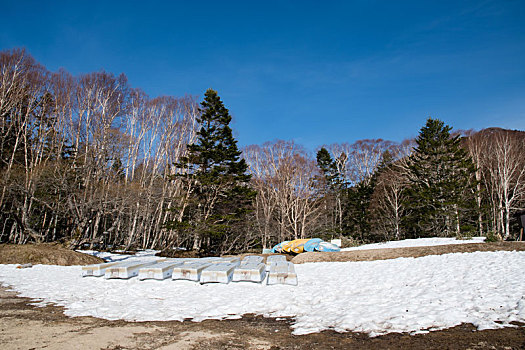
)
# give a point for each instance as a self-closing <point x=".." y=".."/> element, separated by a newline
<point x="504" y="168"/>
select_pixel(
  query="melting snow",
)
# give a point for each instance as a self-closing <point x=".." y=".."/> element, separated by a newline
<point x="377" y="297"/>
<point x="148" y="254"/>
<point x="419" y="242"/>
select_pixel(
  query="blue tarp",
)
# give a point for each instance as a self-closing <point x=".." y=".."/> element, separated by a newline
<point x="312" y="244"/>
<point x="278" y="248"/>
<point x="327" y="247"/>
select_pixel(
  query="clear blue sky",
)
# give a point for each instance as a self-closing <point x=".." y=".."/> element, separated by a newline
<point x="316" y="72"/>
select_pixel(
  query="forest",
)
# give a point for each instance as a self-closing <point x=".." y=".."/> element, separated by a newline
<point x="90" y="161"/>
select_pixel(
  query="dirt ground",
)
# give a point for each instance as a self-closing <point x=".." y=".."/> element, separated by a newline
<point x="45" y="253"/>
<point x="24" y="326"/>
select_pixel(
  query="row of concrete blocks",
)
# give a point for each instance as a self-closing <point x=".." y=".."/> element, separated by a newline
<point x="205" y="270"/>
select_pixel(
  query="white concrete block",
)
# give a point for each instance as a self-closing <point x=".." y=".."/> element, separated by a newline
<point x="97" y="270"/>
<point x="210" y="259"/>
<point x="272" y="259"/>
<point x="218" y="273"/>
<point x="160" y="270"/>
<point x="282" y="273"/>
<point x="251" y="272"/>
<point x="228" y="260"/>
<point x="252" y="259"/>
<point x="190" y="260"/>
<point x="191" y="271"/>
<point x="336" y="242"/>
<point x="126" y="269"/>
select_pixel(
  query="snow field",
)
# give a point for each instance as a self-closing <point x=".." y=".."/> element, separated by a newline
<point x="401" y="295"/>
<point x="419" y="242"/>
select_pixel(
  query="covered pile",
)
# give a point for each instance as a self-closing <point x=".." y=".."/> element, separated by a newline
<point x="305" y="245"/>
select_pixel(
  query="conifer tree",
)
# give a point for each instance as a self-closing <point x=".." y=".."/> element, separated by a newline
<point x="327" y="166"/>
<point x="357" y="214"/>
<point x="440" y="196"/>
<point x="334" y="191"/>
<point x="218" y="191"/>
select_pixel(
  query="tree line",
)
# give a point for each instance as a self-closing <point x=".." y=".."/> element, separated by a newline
<point x="89" y="159"/>
<point x="443" y="183"/>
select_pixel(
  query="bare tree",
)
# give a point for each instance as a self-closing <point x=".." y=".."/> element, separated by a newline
<point x="476" y="145"/>
<point x="285" y="177"/>
<point x="25" y="127"/>
<point x="266" y="200"/>
<point x="503" y="167"/>
<point x="387" y="202"/>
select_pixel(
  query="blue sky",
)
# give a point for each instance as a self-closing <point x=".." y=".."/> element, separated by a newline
<point x="316" y="72"/>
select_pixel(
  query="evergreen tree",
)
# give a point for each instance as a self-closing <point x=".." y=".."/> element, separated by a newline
<point x="334" y="191"/>
<point x="327" y="166"/>
<point x="439" y="199"/>
<point x="218" y="191"/>
<point x="357" y="213"/>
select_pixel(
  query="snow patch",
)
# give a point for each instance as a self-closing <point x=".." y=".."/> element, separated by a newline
<point x="419" y="242"/>
<point x="375" y="297"/>
<point x="144" y="255"/>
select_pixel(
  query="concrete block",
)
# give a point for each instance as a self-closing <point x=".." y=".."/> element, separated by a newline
<point x="160" y="270"/>
<point x="127" y="269"/>
<point x="282" y="273"/>
<point x="251" y="272"/>
<point x="218" y="273"/>
<point x="191" y="271"/>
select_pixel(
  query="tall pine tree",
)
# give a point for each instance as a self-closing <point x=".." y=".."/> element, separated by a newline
<point x="440" y="200"/>
<point x="217" y="186"/>
<point x="334" y="190"/>
<point x="329" y="169"/>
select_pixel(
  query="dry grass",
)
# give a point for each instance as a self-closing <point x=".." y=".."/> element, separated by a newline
<point x="45" y="253"/>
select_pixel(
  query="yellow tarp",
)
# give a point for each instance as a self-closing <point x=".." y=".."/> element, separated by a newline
<point x="296" y="246"/>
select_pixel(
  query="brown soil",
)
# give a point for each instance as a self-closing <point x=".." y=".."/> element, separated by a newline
<point x="47" y="254"/>
<point x="178" y="254"/>
<point x="24" y="326"/>
<point x="393" y="253"/>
